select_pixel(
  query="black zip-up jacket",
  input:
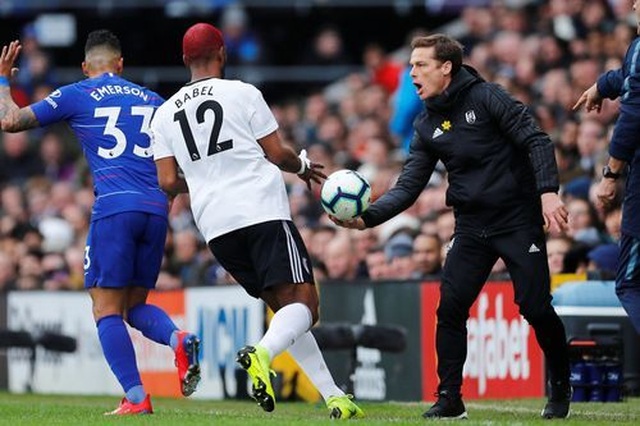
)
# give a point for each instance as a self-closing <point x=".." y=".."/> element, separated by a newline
<point x="498" y="160"/>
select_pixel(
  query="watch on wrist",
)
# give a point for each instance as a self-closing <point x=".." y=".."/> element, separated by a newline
<point x="610" y="174"/>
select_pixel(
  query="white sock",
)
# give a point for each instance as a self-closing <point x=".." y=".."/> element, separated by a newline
<point x="307" y="354"/>
<point x="286" y="326"/>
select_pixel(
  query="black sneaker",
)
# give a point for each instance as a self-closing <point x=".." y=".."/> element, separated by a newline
<point x="557" y="406"/>
<point x="448" y="406"/>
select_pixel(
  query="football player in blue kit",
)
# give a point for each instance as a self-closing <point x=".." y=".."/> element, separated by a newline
<point x="110" y="117"/>
<point x="623" y="162"/>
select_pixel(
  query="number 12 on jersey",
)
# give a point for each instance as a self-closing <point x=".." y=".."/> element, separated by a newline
<point x="215" y="146"/>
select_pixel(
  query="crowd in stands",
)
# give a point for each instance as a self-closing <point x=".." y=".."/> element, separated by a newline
<point x="546" y="54"/>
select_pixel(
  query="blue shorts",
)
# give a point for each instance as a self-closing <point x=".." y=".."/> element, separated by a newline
<point x="124" y="250"/>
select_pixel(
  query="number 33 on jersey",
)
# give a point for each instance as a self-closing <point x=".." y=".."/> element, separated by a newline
<point x="111" y="118"/>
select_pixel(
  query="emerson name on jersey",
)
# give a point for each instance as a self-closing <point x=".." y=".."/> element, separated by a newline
<point x="109" y="89"/>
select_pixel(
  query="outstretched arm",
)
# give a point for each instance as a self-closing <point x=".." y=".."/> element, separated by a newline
<point x="283" y="156"/>
<point x="12" y="117"/>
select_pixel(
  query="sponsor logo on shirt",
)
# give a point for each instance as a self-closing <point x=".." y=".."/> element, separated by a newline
<point x="50" y="99"/>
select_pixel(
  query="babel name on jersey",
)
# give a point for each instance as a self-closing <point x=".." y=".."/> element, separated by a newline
<point x="115" y="89"/>
<point x="194" y="93"/>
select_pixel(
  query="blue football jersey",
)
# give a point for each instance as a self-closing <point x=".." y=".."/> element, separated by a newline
<point x="111" y="118"/>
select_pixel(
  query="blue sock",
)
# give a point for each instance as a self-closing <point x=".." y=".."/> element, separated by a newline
<point x="152" y="322"/>
<point x="136" y="394"/>
<point x="173" y="342"/>
<point x="119" y="353"/>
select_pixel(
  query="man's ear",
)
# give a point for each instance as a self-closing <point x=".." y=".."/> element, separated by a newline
<point x="85" y="68"/>
<point x="120" y="66"/>
<point x="447" y="67"/>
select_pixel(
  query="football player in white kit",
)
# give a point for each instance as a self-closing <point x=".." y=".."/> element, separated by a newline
<point x="224" y="138"/>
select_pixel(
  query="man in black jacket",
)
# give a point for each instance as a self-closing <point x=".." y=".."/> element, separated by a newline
<point x="503" y="184"/>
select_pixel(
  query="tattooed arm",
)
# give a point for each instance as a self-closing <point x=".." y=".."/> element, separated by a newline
<point x="12" y="117"/>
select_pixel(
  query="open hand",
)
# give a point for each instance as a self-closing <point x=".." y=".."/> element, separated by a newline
<point x="556" y="216"/>
<point x="8" y="58"/>
<point x="312" y="171"/>
<point x="313" y="174"/>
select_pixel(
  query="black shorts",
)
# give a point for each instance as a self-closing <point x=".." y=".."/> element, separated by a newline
<point x="264" y="255"/>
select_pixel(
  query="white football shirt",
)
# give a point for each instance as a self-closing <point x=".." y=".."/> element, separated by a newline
<point x="211" y="127"/>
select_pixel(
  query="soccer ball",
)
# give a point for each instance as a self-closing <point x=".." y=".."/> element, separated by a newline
<point x="345" y="194"/>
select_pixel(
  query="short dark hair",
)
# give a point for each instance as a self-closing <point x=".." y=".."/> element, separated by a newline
<point x="103" y="38"/>
<point x="446" y="49"/>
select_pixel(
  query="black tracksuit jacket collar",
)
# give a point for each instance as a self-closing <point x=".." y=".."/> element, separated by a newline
<point x="462" y="80"/>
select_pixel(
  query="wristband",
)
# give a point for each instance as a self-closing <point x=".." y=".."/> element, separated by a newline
<point x="4" y="81"/>
<point x="304" y="162"/>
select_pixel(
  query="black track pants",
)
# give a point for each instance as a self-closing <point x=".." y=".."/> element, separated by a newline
<point x="467" y="267"/>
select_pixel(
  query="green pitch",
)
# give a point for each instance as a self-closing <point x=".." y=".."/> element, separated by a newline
<point x="45" y="410"/>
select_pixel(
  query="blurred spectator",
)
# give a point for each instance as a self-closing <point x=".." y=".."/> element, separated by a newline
<point x="315" y="109"/>
<point x="243" y="46"/>
<point x="377" y="266"/>
<point x="30" y="271"/>
<point x="56" y="163"/>
<point x="576" y="260"/>
<point x="327" y="48"/>
<point x="479" y="25"/>
<point x="381" y="69"/>
<point x="323" y="152"/>
<point x="322" y="235"/>
<point x="17" y="160"/>
<point x="399" y="254"/>
<point x="557" y="249"/>
<point x="34" y="64"/>
<point x="332" y="129"/>
<point x="577" y="188"/>
<point x="376" y="156"/>
<point x="406" y="107"/>
<point x="582" y="222"/>
<point x="186" y="262"/>
<point x="363" y="242"/>
<point x="603" y="260"/>
<point x="13" y="209"/>
<point x="446" y="223"/>
<point x="596" y="17"/>
<point x="79" y="219"/>
<point x="427" y="256"/>
<point x="31" y="239"/>
<point x="340" y="259"/>
<point x="591" y="143"/>
<point x="433" y="199"/>
<point x="402" y="223"/>
<point x="55" y="272"/>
